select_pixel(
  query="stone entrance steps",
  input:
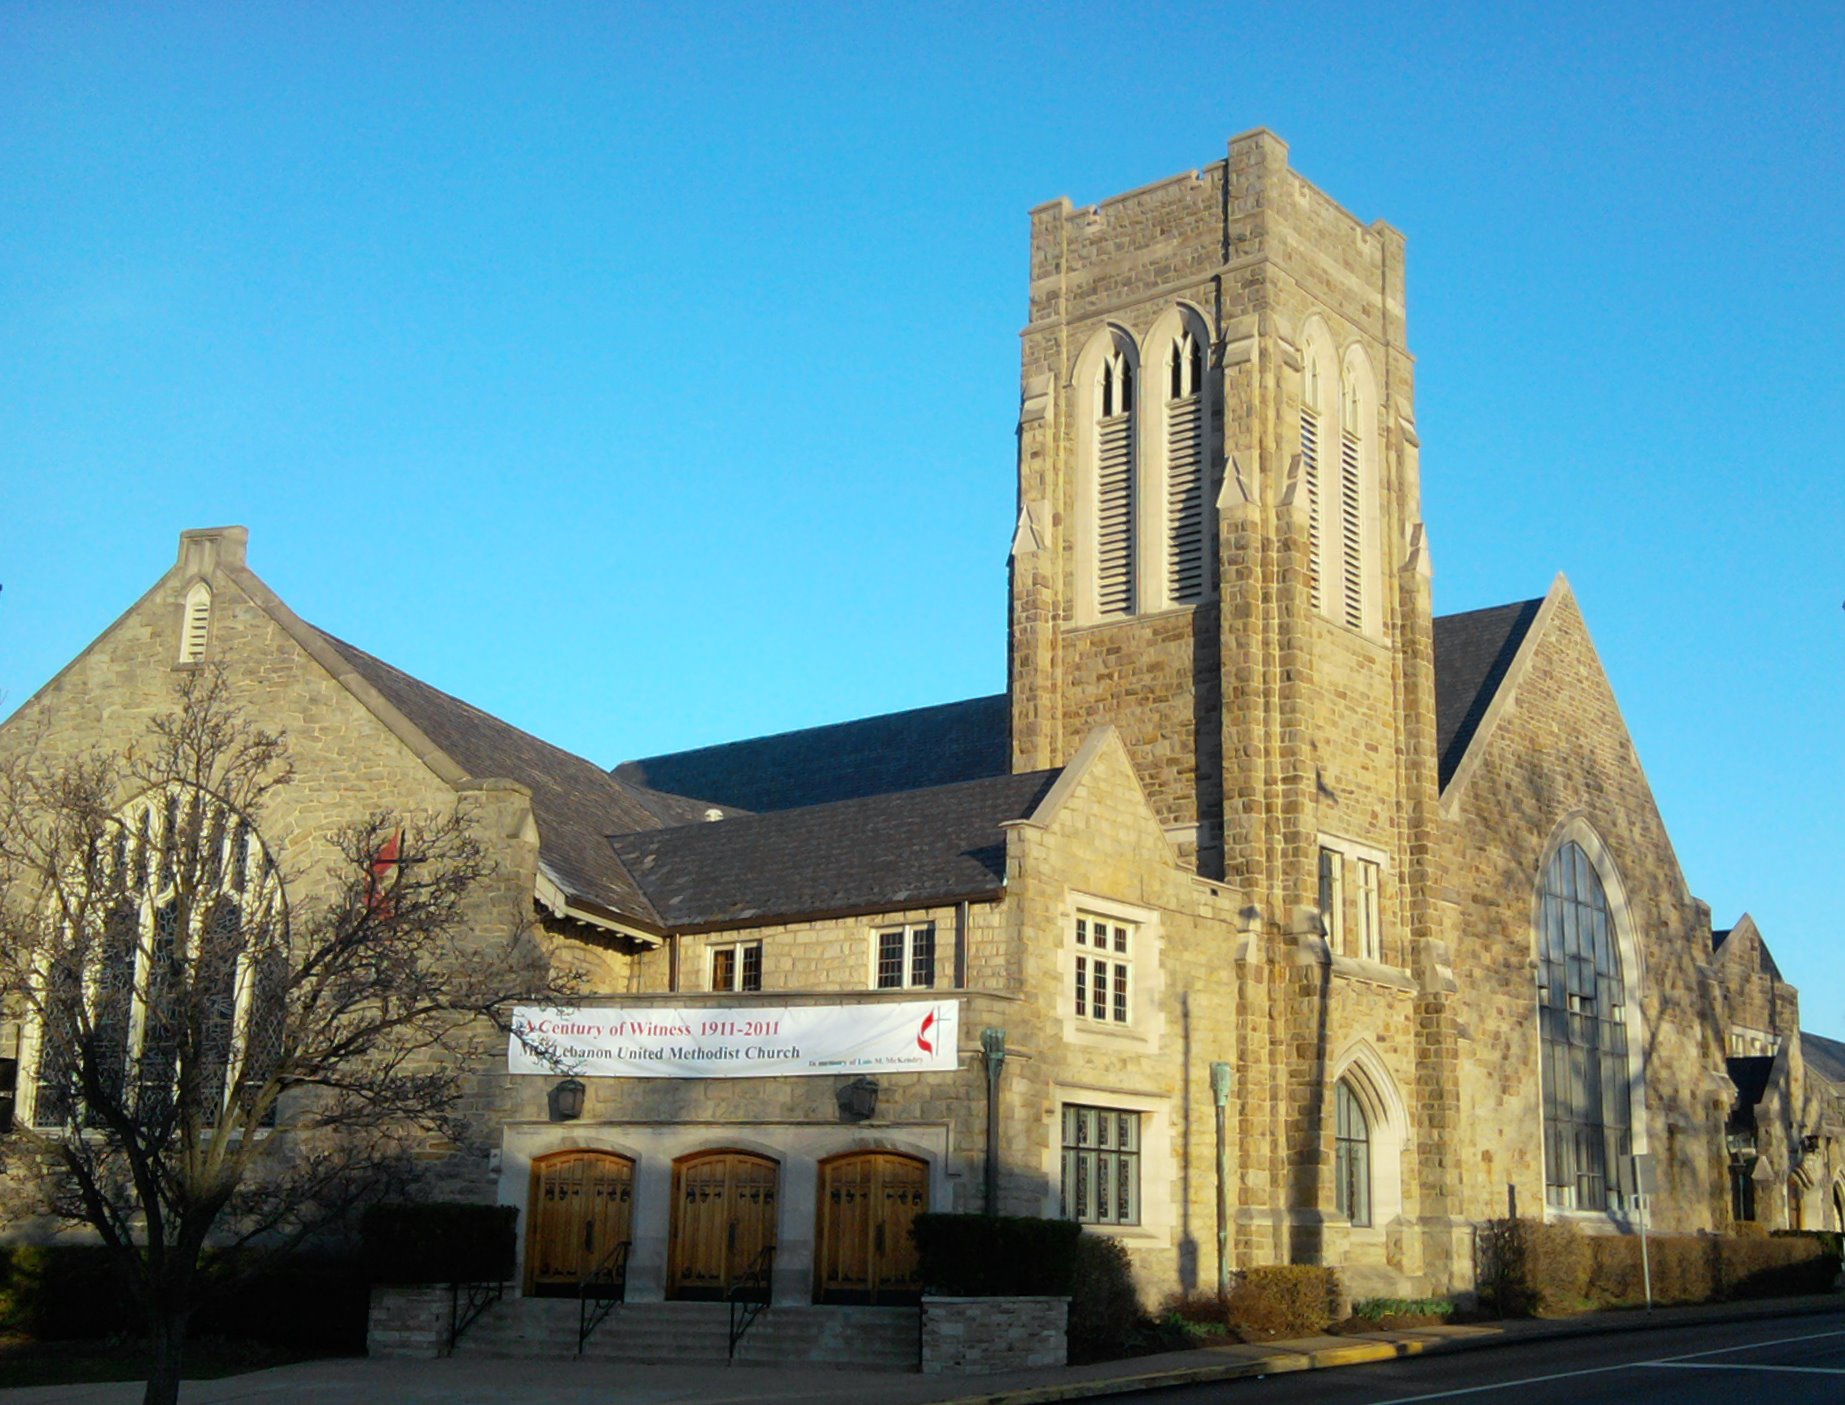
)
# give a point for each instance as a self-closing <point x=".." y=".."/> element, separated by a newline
<point x="866" y="1338"/>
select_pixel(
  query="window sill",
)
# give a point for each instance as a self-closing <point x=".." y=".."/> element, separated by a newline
<point x="1141" y="616"/>
<point x="1357" y="968"/>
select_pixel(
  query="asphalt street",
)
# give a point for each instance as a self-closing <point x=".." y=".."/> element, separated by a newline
<point x="1787" y="1361"/>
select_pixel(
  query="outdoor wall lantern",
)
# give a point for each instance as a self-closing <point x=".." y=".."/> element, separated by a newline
<point x="858" y="1100"/>
<point x="567" y="1100"/>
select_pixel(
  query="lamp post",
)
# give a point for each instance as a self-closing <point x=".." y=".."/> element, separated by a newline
<point x="1220" y="1095"/>
<point x="993" y="1046"/>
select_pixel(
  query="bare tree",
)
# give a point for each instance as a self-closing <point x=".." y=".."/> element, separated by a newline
<point x="217" y="1056"/>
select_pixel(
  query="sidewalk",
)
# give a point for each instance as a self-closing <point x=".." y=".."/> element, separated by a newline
<point x="490" y="1381"/>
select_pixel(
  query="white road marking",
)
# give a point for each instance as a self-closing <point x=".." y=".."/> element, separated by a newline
<point x="1690" y="1356"/>
<point x="1741" y="1366"/>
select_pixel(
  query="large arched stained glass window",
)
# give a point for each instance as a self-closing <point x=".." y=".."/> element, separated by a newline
<point x="1588" y="1114"/>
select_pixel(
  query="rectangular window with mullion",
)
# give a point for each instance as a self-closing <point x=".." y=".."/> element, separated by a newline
<point x="737" y="966"/>
<point x="906" y="957"/>
<point x="1102" y="963"/>
<point x="1101" y="1165"/>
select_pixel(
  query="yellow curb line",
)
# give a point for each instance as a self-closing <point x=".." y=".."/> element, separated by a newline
<point x="1281" y="1363"/>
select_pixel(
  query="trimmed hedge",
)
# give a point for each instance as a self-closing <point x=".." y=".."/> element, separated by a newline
<point x="997" y="1256"/>
<point x="1531" y="1268"/>
<point x="1284" y="1299"/>
<point x="66" y="1292"/>
<point x="1106" y="1322"/>
<point x="306" y="1301"/>
<point x="439" y="1243"/>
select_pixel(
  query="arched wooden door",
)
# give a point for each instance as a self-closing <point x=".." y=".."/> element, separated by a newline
<point x="582" y="1206"/>
<point x="724" y="1208"/>
<point x="868" y="1201"/>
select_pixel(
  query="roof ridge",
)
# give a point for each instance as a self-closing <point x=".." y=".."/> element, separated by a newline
<point x="917" y="792"/>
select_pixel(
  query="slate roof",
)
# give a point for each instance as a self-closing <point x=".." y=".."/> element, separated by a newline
<point x="574" y="801"/>
<point x="1827" y="1056"/>
<point x="873" y="814"/>
<point x="925" y="746"/>
<point x="909" y="849"/>
<point x="1473" y="650"/>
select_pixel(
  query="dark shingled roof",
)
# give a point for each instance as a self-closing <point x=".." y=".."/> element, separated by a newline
<point x="1473" y="650"/>
<point x="910" y="849"/>
<point x="575" y="802"/>
<point x="925" y="746"/>
<point x="1825" y="1055"/>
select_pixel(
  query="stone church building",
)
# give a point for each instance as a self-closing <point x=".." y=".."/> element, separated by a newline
<point x="1245" y="805"/>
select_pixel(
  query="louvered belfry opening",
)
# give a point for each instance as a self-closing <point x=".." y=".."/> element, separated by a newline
<point x="1351" y="530"/>
<point x="1185" y="471"/>
<point x="1115" y="506"/>
<point x="195" y="631"/>
<point x="1310" y="480"/>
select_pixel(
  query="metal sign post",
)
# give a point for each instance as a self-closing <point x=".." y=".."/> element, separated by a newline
<point x="1220" y="1095"/>
<point x="1646" y="1180"/>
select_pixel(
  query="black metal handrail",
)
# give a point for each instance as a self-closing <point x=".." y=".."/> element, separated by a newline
<point x="480" y="1297"/>
<point x="600" y="1289"/>
<point x="749" y="1296"/>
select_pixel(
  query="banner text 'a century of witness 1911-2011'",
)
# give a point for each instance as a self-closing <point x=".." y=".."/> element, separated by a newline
<point x="754" y="1041"/>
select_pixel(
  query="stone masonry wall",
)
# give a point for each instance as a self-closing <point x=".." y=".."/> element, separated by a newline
<point x="1560" y="749"/>
<point x="348" y="764"/>
<point x="981" y="1336"/>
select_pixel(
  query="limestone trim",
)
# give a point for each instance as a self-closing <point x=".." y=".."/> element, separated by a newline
<point x="1575" y="828"/>
<point x="1104" y="394"/>
<point x="797" y="1148"/>
<point x="1142" y="1030"/>
<point x="1158" y="1207"/>
<point x="1362" y="1069"/>
<point x="1167" y="462"/>
<point x="1503" y="697"/>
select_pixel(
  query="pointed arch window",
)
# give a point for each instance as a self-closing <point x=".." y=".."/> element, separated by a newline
<point x="1351" y="1155"/>
<point x="182" y="985"/>
<point x="1582" y="1025"/>
<point x="1115" y="507"/>
<point x="1186" y="579"/>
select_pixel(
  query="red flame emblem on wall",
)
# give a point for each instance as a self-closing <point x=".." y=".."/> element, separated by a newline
<point x="922" y="1032"/>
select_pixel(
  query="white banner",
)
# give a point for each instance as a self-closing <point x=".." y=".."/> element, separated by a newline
<point x="748" y="1041"/>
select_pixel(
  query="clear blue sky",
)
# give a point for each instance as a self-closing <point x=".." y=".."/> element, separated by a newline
<point x="647" y="376"/>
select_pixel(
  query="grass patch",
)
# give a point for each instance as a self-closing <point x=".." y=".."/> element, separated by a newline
<point x="25" y="1362"/>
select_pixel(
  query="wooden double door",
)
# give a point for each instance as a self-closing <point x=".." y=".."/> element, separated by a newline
<point x="724" y="1212"/>
<point x="582" y="1206"/>
<point x="868" y="1201"/>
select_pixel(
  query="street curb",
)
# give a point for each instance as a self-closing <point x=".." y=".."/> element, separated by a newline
<point x="1364" y="1351"/>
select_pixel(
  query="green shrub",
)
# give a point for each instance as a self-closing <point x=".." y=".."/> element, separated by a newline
<point x="305" y="1301"/>
<point x="67" y="1292"/>
<point x="1377" y="1309"/>
<point x="1830" y="1240"/>
<point x="1777" y="1267"/>
<point x="1284" y="1299"/>
<point x="439" y="1243"/>
<point x="308" y="1301"/>
<point x="997" y="1256"/>
<point x="1105" y="1317"/>
<point x="1615" y="1274"/>
<point x="1532" y="1268"/>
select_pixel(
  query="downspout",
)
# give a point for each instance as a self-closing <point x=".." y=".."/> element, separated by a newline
<point x="993" y="1046"/>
